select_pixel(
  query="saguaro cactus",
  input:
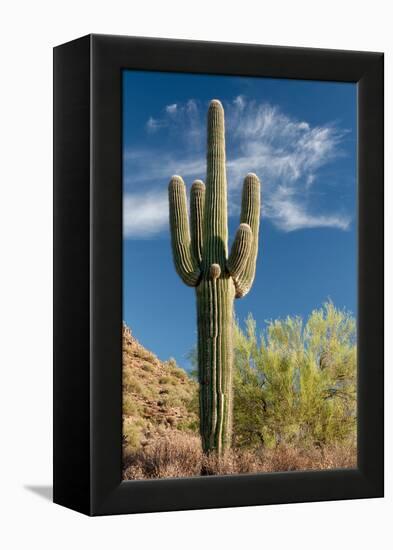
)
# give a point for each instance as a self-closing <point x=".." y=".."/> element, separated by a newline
<point x="201" y="259"/>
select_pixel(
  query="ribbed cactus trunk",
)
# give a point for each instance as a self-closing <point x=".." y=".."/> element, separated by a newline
<point x="201" y="260"/>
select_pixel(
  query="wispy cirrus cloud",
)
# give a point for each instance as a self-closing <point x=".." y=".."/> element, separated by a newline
<point x="289" y="214"/>
<point x="150" y="166"/>
<point x="287" y="154"/>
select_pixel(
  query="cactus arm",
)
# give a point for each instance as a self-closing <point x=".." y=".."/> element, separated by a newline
<point x="185" y="263"/>
<point x="240" y="251"/>
<point x="197" y="205"/>
<point x="250" y="214"/>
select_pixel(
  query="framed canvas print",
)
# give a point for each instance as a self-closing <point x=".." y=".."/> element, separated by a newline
<point x="218" y="275"/>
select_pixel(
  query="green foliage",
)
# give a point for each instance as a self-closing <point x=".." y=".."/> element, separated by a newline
<point x="296" y="383"/>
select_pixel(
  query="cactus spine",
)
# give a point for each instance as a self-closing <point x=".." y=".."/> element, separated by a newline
<point x="201" y="259"/>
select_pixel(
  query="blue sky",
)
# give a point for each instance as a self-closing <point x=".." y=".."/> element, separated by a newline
<point x="299" y="137"/>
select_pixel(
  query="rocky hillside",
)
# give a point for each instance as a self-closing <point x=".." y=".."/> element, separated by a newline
<point x="158" y="397"/>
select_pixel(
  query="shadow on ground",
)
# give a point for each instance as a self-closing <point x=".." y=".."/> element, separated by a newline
<point x="44" y="491"/>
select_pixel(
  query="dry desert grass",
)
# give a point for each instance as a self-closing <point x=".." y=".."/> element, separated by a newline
<point x="180" y="455"/>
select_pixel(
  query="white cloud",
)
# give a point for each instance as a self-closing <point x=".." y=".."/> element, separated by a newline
<point x="191" y="106"/>
<point x="144" y="215"/>
<point x="287" y="154"/>
<point x="279" y="147"/>
<point x="171" y="109"/>
<point x="239" y="102"/>
<point x="310" y="179"/>
<point x="160" y="167"/>
<point x="289" y="215"/>
<point x="153" y="124"/>
<point x="180" y="120"/>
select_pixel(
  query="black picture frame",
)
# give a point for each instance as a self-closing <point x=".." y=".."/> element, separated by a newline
<point x="88" y="274"/>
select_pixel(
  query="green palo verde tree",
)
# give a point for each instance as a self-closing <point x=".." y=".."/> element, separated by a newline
<point x="201" y="259"/>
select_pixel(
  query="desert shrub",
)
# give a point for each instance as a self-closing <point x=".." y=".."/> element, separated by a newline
<point x="295" y="384"/>
<point x="148" y="367"/>
<point x="193" y="402"/>
<point x="165" y="380"/>
<point x="131" y="383"/>
<point x="144" y="354"/>
<point x="180" y="374"/>
<point x="130" y="407"/>
<point x="174" y="400"/>
<point x="132" y="434"/>
<point x="174" y="454"/>
<point x="188" y="425"/>
<point x="171" y="364"/>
